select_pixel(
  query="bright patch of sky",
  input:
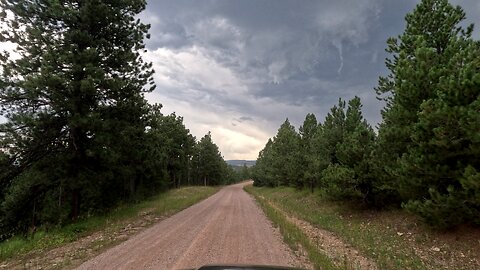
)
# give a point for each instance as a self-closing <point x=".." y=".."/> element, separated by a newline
<point x="240" y="68"/>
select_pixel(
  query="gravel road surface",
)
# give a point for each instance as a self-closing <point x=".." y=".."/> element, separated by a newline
<point x="228" y="227"/>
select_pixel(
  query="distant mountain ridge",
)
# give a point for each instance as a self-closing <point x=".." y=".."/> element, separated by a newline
<point x="237" y="162"/>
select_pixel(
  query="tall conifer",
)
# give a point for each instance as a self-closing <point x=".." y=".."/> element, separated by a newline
<point x="74" y="103"/>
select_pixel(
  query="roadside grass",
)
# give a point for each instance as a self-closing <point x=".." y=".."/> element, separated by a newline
<point x="392" y="238"/>
<point x="292" y="235"/>
<point x="164" y="204"/>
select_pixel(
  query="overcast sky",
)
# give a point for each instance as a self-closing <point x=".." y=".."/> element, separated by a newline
<point x="239" y="68"/>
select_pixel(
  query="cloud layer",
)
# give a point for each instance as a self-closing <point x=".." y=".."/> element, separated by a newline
<point x="239" y="68"/>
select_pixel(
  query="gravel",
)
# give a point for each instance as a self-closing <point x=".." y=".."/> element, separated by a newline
<point x="227" y="228"/>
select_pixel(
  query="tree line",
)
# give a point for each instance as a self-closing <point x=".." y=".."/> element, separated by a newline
<point x="80" y="136"/>
<point x="425" y="156"/>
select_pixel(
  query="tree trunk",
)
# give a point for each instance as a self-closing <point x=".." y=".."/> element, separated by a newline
<point x="60" y="197"/>
<point x="34" y="214"/>
<point x="75" y="204"/>
<point x="132" y="187"/>
<point x="175" y="184"/>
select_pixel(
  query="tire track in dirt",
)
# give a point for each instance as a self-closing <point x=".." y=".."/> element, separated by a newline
<point x="228" y="227"/>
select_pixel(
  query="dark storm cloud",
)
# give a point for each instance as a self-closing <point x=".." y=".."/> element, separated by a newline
<point x="245" y="118"/>
<point x="269" y="60"/>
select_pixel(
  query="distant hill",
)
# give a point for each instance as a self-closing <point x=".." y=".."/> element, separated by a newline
<point x="239" y="163"/>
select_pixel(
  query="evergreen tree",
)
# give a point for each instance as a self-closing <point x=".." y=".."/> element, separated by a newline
<point x="170" y="148"/>
<point x="179" y="146"/>
<point x="263" y="172"/>
<point x="75" y="106"/>
<point x="286" y="146"/>
<point x="427" y="140"/>
<point x="309" y="158"/>
<point x="418" y="56"/>
<point x="354" y="153"/>
<point x="244" y="173"/>
<point x="439" y="171"/>
<point x="280" y="161"/>
<point x="156" y="154"/>
<point x="6" y="170"/>
<point x="333" y="130"/>
<point x="231" y="175"/>
<point x="209" y="163"/>
<point x="358" y="137"/>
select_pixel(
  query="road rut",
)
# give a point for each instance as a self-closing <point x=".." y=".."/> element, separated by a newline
<point x="228" y="228"/>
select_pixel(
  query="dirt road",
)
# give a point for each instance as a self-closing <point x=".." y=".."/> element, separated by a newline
<point x="225" y="228"/>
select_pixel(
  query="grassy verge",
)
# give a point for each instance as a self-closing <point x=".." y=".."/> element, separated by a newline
<point x="161" y="205"/>
<point x="292" y="235"/>
<point x="392" y="238"/>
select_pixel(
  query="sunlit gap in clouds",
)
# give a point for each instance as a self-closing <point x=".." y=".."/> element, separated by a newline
<point x="220" y="61"/>
<point x="216" y="63"/>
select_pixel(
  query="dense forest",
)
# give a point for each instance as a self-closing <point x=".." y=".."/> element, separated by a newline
<point x="80" y="137"/>
<point x="425" y="155"/>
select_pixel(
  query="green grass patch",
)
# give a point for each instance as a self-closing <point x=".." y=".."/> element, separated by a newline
<point x="164" y="204"/>
<point x="360" y="228"/>
<point x="292" y="235"/>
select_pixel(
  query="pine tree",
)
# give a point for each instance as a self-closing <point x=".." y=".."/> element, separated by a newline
<point x="427" y="139"/>
<point x="263" y="172"/>
<point x="333" y="131"/>
<point x="209" y="163"/>
<point x="440" y="168"/>
<point x="309" y="158"/>
<point x="279" y="162"/>
<point x="244" y="173"/>
<point x="415" y="67"/>
<point x="74" y="103"/>
<point x="358" y="137"/>
<point x="347" y="140"/>
<point x="286" y="146"/>
<point x="178" y="144"/>
<point x="169" y="149"/>
<point x="355" y="152"/>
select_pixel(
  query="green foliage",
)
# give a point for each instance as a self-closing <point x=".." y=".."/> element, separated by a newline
<point x="263" y="172"/>
<point x="310" y="161"/>
<point x="80" y="136"/>
<point x="350" y="142"/>
<point x="453" y="207"/>
<point x="239" y="173"/>
<point x="427" y="153"/>
<point x="245" y="173"/>
<point x="160" y="205"/>
<point x="339" y="182"/>
<point x="292" y="235"/>
<point x="333" y="131"/>
<point x="426" y="141"/>
<point x="374" y="234"/>
<point x="75" y="106"/>
<point x="170" y="150"/>
<point x="279" y="161"/>
<point x="470" y="183"/>
<point x="334" y="155"/>
<point x="418" y="62"/>
<point x="208" y="165"/>
<point x="287" y="149"/>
